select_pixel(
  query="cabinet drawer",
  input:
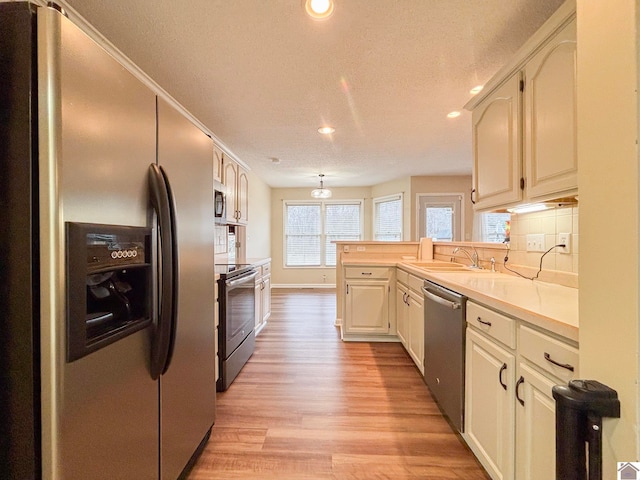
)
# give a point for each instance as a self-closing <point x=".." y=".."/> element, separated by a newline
<point x="266" y="269"/>
<point x="403" y="276"/>
<point x="416" y="283"/>
<point x="492" y="323"/>
<point x="367" y="272"/>
<point x="553" y="356"/>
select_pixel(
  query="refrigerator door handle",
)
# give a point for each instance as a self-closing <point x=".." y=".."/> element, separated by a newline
<point x="162" y="345"/>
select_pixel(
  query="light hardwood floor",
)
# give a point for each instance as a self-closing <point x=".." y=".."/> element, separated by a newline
<point x="308" y="406"/>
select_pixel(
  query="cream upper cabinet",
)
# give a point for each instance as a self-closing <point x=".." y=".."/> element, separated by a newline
<point x="550" y="120"/>
<point x="497" y="166"/>
<point x="242" y="196"/>
<point x="230" y="180"/>
<point x="217" y="164"/>
<point x="236" y="182"/>
<point x="524" y="126"/>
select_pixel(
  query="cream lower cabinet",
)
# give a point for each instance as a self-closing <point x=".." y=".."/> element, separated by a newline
<point x="543" y="362"/>
<point x="410" y="316"/>
<point x="402" y="321"/>
<point x="535" y="426"/>
<point x="509" y="410"/>
<point x="416" y="329"/>
<point x="367" y="303"/>
<point x="263" y="297"/>
<point x="489" y="405"/>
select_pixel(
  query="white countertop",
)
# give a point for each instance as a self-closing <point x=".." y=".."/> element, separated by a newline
<point x="549" y="306"/>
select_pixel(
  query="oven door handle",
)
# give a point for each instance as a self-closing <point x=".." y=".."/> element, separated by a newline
<point x="440" y="300"/>
<point x="242" y="279"/>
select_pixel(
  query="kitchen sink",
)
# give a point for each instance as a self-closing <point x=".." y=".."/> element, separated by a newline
<point x="436" y="264"/>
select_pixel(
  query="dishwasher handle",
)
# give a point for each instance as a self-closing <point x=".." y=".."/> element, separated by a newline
<point x="440" y="300"/>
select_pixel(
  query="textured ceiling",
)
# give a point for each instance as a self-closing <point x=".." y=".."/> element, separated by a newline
<point x="263" y="76"/>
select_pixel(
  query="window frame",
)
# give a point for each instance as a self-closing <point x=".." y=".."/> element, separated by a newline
<point x="388" y="198"/>
<point x="323" y="251"/>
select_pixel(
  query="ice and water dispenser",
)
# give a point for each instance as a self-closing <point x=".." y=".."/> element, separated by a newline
<point x="108" y="285"/>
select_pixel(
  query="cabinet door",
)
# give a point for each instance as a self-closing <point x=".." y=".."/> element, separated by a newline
<point x="497" y="165"/>
<point x="367" y="307"/>
<point x="416" y="329"/>
<point x="266" y="298"/>
<point x="258" y="298"/>
<point x="550" y="118"/>
<point x="489" y="405"/>
<point x="242" y="196"/>
<point x="217" y="164"/>
<point x="401" y="314"/>
<point x="231" y="183"/>
<point x="536" y="425"/>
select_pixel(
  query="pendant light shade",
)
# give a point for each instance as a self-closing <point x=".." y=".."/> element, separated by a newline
<point x="321" y="192"/>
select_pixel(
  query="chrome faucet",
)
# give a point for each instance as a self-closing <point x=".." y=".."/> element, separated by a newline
<point x="473" y="258"/>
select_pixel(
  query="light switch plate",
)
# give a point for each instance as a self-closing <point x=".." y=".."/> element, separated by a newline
<point x="535" y="242"/>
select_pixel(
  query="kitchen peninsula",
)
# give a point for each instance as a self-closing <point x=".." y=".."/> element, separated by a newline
<point x="521" y="340"/>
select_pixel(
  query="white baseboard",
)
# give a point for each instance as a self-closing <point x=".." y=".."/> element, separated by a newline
<point x="303" y="285"/>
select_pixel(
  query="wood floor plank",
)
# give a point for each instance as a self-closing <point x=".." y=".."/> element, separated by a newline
<point x="308" y="406"/>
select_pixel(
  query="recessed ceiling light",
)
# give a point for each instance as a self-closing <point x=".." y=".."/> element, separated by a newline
<point x="454" y="114"/>
<point x="319" y="9"/>
<point x="326" y="130"/>
<point x="476" y="90"/>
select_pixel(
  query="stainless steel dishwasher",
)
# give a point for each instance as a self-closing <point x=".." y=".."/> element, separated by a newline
<point x="444" y="345"/>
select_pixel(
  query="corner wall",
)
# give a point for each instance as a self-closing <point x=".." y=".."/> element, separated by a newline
<point x="608" y="183"/>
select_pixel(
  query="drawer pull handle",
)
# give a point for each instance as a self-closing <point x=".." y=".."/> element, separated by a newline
<point x="548" y="358"/>
<point x="519" y="382"/>
<point x="366" y="273"/>
<point x="502" y="369"/>
<point x="488" y="324"/>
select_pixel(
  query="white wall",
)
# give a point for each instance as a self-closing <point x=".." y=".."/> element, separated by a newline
<point x="258" y="231"/>
<point x="608" y="184"/>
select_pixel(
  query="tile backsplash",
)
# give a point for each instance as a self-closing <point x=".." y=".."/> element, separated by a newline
<point x="550" y="223"/>
<point x="220" y="245"/>
<point x="560" y="268"/>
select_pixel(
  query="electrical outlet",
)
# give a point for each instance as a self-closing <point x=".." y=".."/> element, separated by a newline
<point x="535" y="242"/>
<point x="360" y="249"/>
<point x="564" y="238"/>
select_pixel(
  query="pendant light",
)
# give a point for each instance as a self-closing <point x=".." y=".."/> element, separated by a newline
<point x="321" y="192"/>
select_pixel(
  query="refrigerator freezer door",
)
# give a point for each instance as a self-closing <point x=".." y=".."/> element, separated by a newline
<point x="97" y="138"/>
<point x="187" y="389"/>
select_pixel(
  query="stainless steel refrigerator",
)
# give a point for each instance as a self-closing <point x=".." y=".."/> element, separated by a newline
<point x="88" y="155"/>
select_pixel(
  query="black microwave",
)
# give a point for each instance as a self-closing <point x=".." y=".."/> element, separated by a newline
<point x="219" y="203"/>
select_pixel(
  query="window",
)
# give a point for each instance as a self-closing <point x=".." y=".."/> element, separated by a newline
<point x="440" y="217"/>
<point x="310" y="227"/>
<point x="494" y="227"/>
<point x="387" y="218"/>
